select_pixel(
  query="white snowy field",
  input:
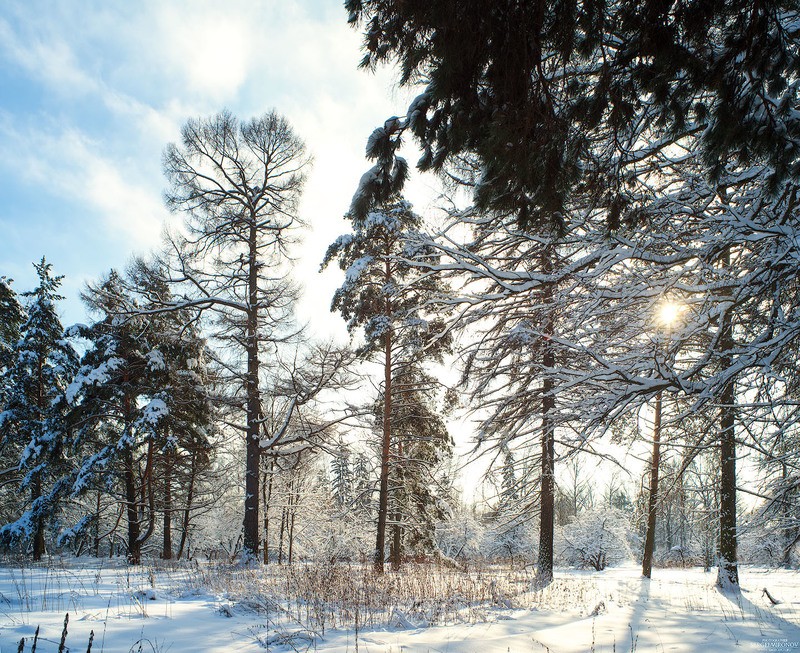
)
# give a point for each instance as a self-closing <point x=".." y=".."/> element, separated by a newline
<point x="202" y="608"/>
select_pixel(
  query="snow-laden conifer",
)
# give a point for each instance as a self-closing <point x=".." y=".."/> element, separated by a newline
<point x="32" y="423"/>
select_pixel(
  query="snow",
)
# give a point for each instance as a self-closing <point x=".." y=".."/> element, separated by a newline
<point x="155" y="410"/>
<point x="88" y="376"/>
<point x="191" y="607"/>
<point x="356" y="268"/>
<point x="155" y="361"/>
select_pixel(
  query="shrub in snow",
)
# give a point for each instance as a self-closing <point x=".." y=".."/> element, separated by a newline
<point x="682" y="556"/>
<point x="595" y="539"/>
<point x="761" y="546"/>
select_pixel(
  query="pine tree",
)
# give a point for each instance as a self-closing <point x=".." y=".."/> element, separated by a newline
<point x="184" y="437"/>
<point x="549" y="94"/>
<point x="12" y="316"/>
<point x="423" y="449"/>
<point x="33" y="424"/>
<point x="379" y="297"/>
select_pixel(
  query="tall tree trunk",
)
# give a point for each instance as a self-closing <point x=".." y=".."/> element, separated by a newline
<point x="396" y="549"/>
<point x="97" y="527"/>
<point x="253" y="462"/>
<point x="132" y="508"/>
<point x="267" y="501"/>
<point x="129" y="473"/>
<point x="36" y="484"/>
<point x="292" y="511"/>
<point x="166" y="549"/>
<point x="38" y="534"/>
<point x="547" y="489"/>
<point x="652" y="502"/>
<point x="728" y="573"/>
<point x="789" y="538"/>
<point x="284" y="517"/>
<point x="187" y="511"/>
<point x="148" y="496"/>
<point x="383" y="492"/>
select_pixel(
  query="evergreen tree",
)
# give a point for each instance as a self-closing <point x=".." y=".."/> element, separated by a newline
<point x="541" y="81"/>
<point x="342" y="481"/>
<point x="119" y="404"/>
<point x="382" y="295"/>
<point x="184" y="438"/>
<point x="32" y="424"/>
<point x="423" y="449"/>
<point x="12" y="316"/>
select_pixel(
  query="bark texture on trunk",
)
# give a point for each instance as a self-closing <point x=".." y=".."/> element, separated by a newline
<point x="652" y="502"/>
<point x="166" y="549"/>
<point x="547" y="488"/>
<point x="253" y="408"/>
<point x="728" y="572"/>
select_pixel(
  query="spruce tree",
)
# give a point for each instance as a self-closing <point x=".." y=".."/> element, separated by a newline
<point x="119" y="405"/>
<point x="32" y="424"/>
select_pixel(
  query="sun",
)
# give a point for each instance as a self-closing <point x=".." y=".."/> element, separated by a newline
<point x="668" y="313"/>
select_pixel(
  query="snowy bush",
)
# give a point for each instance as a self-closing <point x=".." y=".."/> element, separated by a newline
<point x="761" y="546"/>
<point x="595" y="539"/>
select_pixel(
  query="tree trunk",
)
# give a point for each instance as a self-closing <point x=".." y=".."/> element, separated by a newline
<point x="188" y="509"/>
<point x="132" y="508"/>
<point x="652" y="503"/>
<point x="789" y="537"/>
<point x="396" y="548"/>
<point x="383" y="492"/>
<point x="148" y="496"/>
<point x="547" y="489"/>
<point x="97" y="527"/>
<point x="253" y="462"/>
<point x="728" y="573"/>
<point x="36" y="484"/>
<point x="284" y="517"/>
<point x="267" y="501"/>
<point x="166" y="550"/>
<point x="292" y="511"/>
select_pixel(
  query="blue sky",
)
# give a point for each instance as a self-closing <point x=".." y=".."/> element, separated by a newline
<point x="91" y="92"/>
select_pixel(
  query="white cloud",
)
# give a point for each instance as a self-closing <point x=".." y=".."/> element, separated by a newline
<point x="66" y="163"/>
<point x="208" y="45"/>
<point x="143" y="69"/>
<point x="48" y="58"/>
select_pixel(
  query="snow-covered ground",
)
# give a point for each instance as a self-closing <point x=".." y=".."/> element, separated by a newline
<point x="178" y="609"/>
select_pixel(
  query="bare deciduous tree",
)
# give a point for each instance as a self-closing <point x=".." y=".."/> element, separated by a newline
<point x="238" y="185"/>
